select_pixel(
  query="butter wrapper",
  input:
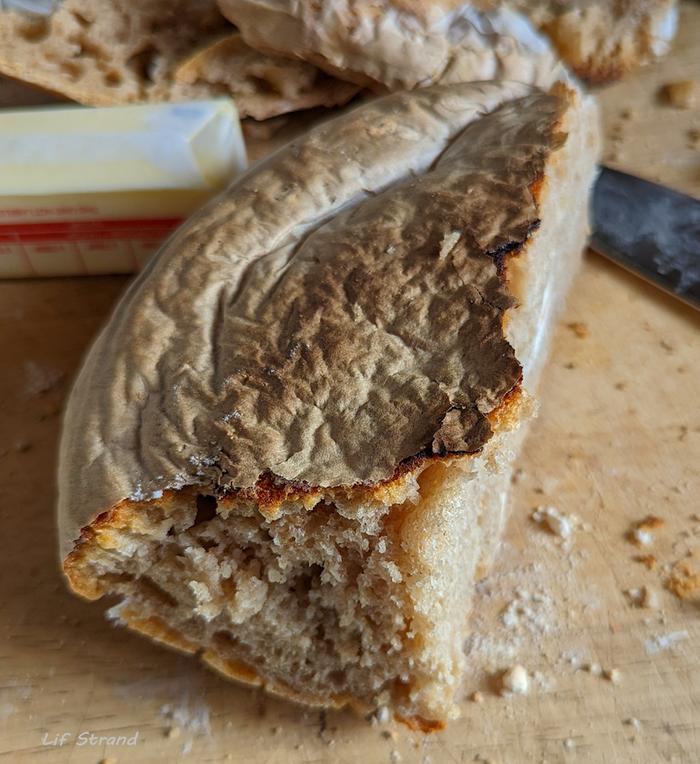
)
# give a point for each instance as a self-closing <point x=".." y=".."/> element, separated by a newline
<point x="92" y="191"/>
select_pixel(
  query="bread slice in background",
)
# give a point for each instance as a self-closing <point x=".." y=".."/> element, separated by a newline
<point x="289" y="450"/>
<point x="402" y="43"/>
<point x="106" y="52"/>
<point x="263" y="85"/>
<point x="603" y="40"/>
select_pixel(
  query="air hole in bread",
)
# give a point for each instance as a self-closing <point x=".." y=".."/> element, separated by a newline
<point x="34" y="29"/>
<point x="262" y="85"/>
<point x="112" y="79"/>
<point x="73" y="69"/>
<point x="82" y="20"/>
<point x="206" y="509"/>
<point x="143" y="63"/>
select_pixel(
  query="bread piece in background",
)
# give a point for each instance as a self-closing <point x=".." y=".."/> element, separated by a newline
<point x="264" y="85"/>
<point x="289" y="450"/>
<point x="399" y="44"/>
<point x="409" y="43"/>
<point x="107" y="52"/>
<point x="603" y="40"/>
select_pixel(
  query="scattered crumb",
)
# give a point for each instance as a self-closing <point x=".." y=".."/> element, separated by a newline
<point x="518" y="475"/>
<point x="682" y="94"/>
<point x="627" y="113"/>
<point x="612" y="675"/>
<point x="633" y="722"/>
<point x="650" y="522"/>
<point x="395" y="757"/>
<point x="694" y="138"/>
<point x="22" y="446"/>
<point x="578" y="328"/>
<point x="476" y="697"/>
<point x="620" y="385"/>
<point x="276" y="730"/>
<point x="683" y="581"/>
<point x="559" y="524"/>
<point x="593" y="668"/>
<point x="173" y="733"/>
<point x="648" y="560"/>
<point x="644" y="596"/>
<point x="640" y="537"/>
<point x="515" y="680"/>
<point x="569" y="744"/>
<point x="382" y="715"/>
<point x="640" y="533"/>
<point x="108" y="760"/>
<point x="662" y="642"/>
<point x="390" y="735"/>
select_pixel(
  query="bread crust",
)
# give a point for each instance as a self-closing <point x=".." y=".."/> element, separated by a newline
<point x="391" y="44"/>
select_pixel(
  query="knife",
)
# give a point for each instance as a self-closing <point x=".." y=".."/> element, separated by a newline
<point x="649" y="230"/>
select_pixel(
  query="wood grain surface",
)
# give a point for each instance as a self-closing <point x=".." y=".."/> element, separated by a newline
<point x="617" y="439"/>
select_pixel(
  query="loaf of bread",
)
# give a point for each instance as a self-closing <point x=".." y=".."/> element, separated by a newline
<point x="290" y="447"/>
<point x="106" y="52"/>
<point x="407" y="43"/>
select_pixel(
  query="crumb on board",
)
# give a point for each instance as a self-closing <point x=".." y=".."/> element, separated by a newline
<point x="683" y="581"/>
<point x="557" y="523"/>
<point x="644" y="596"/>
<point x="640" y="534"/>
<point x="515" y="681"/>
<point x="661" y="642"/>
<point x="569" y="744"/>
<point x="648" y="560"/>
<point x="172" y="733"/>
<point x="477" y="697"/>
<point x="612" y="675"/>
<point x="632" y="721"/>
<point x="650" y="522"/>
<point x="579" y="328"/>
<point x="627" y="113"/>
<point x="593" y="668"/>
<point x="681" y="94"/>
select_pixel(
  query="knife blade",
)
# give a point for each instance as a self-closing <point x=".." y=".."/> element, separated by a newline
<point x="650" y="230"/>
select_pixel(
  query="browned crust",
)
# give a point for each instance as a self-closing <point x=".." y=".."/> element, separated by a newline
<point x="240" y="671"/>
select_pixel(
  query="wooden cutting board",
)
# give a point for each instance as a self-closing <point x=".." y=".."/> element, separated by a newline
<point x="617" y="439"/>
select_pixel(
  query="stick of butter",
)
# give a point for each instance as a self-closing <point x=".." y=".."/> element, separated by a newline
<point x="89" y="191"/>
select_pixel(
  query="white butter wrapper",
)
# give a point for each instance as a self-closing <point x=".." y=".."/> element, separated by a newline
<point x="91" y="191"/>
